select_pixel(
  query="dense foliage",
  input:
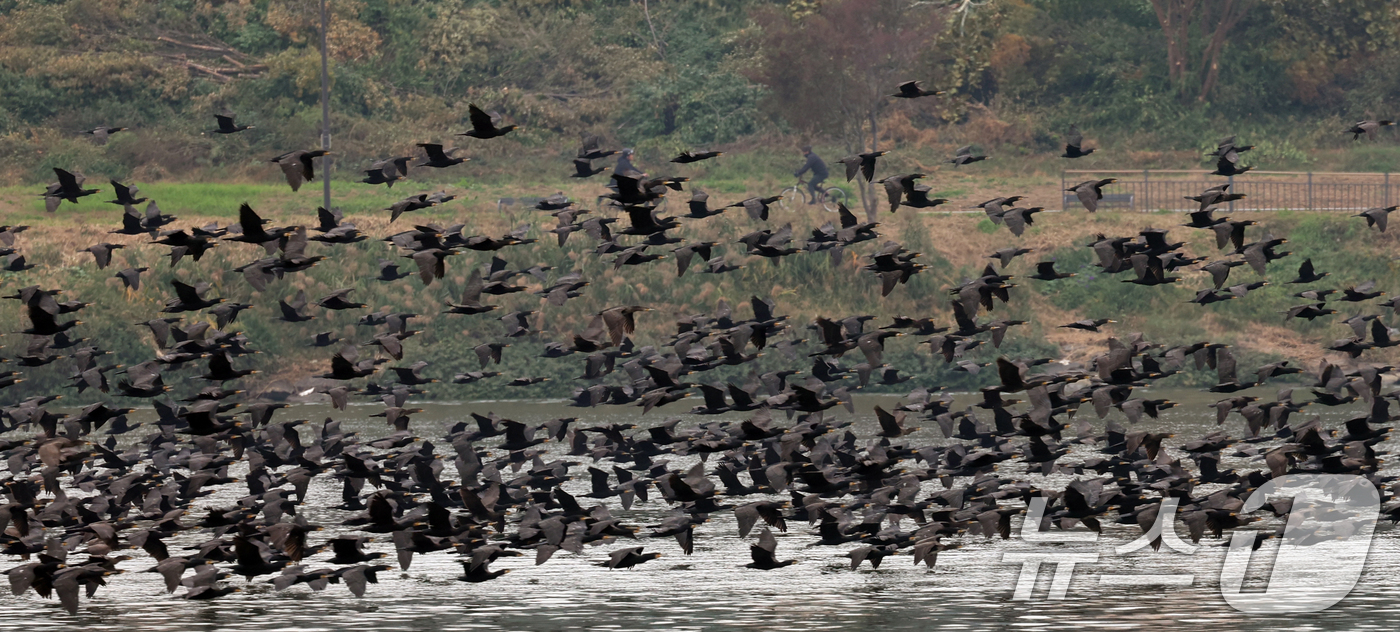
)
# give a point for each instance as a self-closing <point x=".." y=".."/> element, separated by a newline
<point x="665" y="74"/>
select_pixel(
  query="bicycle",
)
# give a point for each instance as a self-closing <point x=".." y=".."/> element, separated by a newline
<point x="831" y="196"/>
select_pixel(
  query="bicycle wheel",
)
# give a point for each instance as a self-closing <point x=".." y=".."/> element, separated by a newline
<point x="834" y="196"/>
<point x="791" y="196"/>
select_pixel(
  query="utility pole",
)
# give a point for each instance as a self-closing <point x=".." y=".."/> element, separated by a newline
<point x="325" y="109"/>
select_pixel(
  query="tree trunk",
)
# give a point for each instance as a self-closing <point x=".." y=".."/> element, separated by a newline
<point x="656" y="41"/>
<point x="1217" y="18"/>
<point x="1231" y="12"/>
<point x="1175" y="19"/>
<point x="867" y="190"/>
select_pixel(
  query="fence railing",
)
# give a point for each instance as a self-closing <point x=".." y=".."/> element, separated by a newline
<point x="1167" y="190"/>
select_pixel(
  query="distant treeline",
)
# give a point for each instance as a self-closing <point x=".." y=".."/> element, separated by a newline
<point x="666" y="75"/>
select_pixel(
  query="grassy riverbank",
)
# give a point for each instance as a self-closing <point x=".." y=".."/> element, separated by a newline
<point x="804" y="286"/>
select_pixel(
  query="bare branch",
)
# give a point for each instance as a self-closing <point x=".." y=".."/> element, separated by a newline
<point x="223" y="50"/>
<point x="656" y="41"/>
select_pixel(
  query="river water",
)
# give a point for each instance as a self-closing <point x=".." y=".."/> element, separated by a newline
<point x="970" y="588"/>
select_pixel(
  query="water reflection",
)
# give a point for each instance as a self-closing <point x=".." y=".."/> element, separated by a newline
<point x="970" y="589"/>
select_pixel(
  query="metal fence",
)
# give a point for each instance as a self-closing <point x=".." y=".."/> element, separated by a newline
<point x="1163" y="190"/>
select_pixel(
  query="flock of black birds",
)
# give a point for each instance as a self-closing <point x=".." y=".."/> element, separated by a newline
<point x="73" y="491"/>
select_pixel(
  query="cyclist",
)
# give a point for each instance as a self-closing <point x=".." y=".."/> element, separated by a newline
<point x="818" y="168"/>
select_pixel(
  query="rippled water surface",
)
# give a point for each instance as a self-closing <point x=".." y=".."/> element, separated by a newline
<point x="970" y="589"/>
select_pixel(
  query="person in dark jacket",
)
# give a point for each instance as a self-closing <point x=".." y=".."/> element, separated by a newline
<point x="818" y="168"/>
<point x="624" y="163"/>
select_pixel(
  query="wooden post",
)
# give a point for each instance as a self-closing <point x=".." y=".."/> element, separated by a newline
<point x="1146" y="193"/>
<point x="1311" y="206"/>
<point x="1062" y="191"/>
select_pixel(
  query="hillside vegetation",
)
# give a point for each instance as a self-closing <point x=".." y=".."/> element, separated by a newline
<point x="666" y="75"/>
<point x="804" y="286"/>
<point x="756" y="78"/>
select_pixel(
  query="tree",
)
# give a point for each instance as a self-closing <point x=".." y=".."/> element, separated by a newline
<point x="300" y="21"/>
<point x="830" y="72"/>
<point x="1214" y="20"/>
<point x="1339" y="55"/>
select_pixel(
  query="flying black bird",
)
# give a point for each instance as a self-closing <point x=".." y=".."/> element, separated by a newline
<point x="189" y="298"/>
<point x="1229" y="150"/>
<point x="1377" y="217"/>
<point x="1090" y="192"/>
<point x="764" y="553"/>
<point x="1005" y="255"/>
<point x="471" y="297"/>
<point x="589" y="149"/>
<point x="102" y="253"/>
<point x="584" y="169"/>
<point x="221" y="369"/>
<point x="629" y="557"/>
<point x="863" y="164"/>
<point x="291" y="311"/>
<point x="756" y="207"/>
<point x="1088" y="325"/>
<point x="410" y="204"/>
<point x="1210" y="197"/>
<point x="965" y="156"/>
<point x="100" y="134"/>
<point x="687" y="157"/>
<point x="131" y="277"/>
<point x="1045" y="271"/>
<point x="299" y="166"/>
<point x="1306" y="274"/>
<point x="387" y="171"/>
<point x="338" y="300"/>
<point x="389" y="271"/>
<point x="699" y="206"/>
<point x="1227" y="167"/>
<point x="1368" y="128"/>
<point x="438" y="158"/>
<point x="126" y="195"/>
<point x="911" y="90"/>
<point x="1231" y="232"/>
<point x="1017" y="219"/>
<point x="1074" y="142"/>
<point x="432" y="263"/>
<point x="1220" y="270"/>
<point x="484" y="125"/>
<point x="227" y="126"/>
<point x="143" y="380"/>
<point x="68" y="188"/>
<point x="1206" y="297"/>
<point x="251" y="229"/>
<point x="996" y="208"/>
